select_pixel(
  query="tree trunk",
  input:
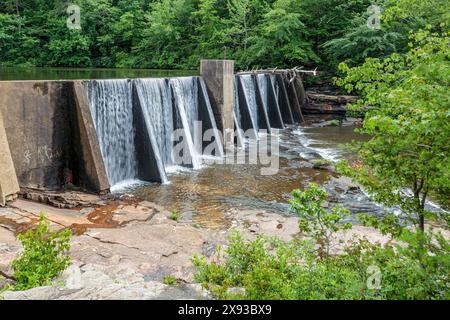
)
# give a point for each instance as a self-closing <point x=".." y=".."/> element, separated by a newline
<point x="421" y="222"/>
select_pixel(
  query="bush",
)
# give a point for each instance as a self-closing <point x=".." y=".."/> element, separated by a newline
<point x="44" y="256"/>
<point x="416" y="266"/>
<point x="315" y="220"/>
<point x="268" y="268"/>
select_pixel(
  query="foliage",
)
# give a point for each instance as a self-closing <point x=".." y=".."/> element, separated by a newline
<point x="178" y="33"/>
<point x="414" y="265"/>
<point x="406" y="100"/>
<point x="170" y="280"/>
<point x="44" y="256"/>
<point x="322" y="163"/>
<point x="314" y="220"/>
<point x="174" y="215"/>
<point x="268" y="268"/>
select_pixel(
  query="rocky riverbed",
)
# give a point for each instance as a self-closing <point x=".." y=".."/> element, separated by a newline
<point x="122" y="248"/>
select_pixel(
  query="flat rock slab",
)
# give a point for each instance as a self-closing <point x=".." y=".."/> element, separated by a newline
<point x="92" y="283"/>
<point x="151" y="248"/>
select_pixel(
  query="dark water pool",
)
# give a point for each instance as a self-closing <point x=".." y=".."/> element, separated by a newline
<point x="18" y="73"/>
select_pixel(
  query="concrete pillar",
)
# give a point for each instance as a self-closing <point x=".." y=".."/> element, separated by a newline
<point x="9" y="186"/>
<point x="218" y="76"/>
<point x="93" y="167"/>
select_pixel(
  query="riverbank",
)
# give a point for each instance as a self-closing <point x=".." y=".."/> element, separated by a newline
<point x="123" y="247"/>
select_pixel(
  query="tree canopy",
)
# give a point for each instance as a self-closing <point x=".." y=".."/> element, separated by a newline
<point x="178" y="33"/>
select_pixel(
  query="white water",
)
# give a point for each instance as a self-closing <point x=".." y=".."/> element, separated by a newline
<point x="156" y="100"/>
<point x="185" y="91"/>
<point x="250" y="96"/>
<point x="112" y="112"/>
<point x="332" y="153"/>
<point x="262" y="82"/>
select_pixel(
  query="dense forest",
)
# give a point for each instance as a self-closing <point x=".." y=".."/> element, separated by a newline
<point x="176" y="34"/>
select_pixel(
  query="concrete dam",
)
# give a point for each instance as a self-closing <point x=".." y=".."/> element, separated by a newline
<point x="97" y="134"/>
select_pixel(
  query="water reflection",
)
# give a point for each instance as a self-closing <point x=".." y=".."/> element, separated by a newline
<point x="19" y="73"/>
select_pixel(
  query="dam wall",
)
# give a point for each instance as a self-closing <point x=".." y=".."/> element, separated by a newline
<point x="46" y="133"/>
<point x="96" y="134"/>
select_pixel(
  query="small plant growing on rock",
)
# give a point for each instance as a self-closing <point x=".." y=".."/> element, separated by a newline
<point x="170" y="280"/>
<point x="335" y="123"/>
<point x="174" y="215"/>
<point x="44" y="257"/>
<point x="317" y="221"/>
<point x="321" y="163"/>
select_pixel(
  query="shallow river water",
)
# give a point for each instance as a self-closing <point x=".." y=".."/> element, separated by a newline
<point x="206" y="194"/>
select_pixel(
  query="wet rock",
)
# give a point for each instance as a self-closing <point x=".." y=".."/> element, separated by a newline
<point x="310" y="155"/>
<point x="329" y="123"/>
<point x="125" y="214"/>
<point x="341" y="184"/>
<point x="61" y="199"/>
<point x="253" y="223"/>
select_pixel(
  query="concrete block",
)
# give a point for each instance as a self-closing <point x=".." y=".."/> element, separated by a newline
<point x="218" y="76"/>
<point x="91" y="166"/>
<point x="9" y="186"/>
<point x="37" y="123"/>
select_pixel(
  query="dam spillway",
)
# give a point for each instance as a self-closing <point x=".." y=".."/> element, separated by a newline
<point x="111" y="107"/>
<point x="136" y="120"/>
<point x="95" y="134"/>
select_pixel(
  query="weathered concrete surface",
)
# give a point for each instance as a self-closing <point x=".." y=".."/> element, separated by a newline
<point x="294" y="99"/>
<point x="92" y="169"/>
<point x="51" y="136"/>
<point x="37" y="123"/>
<point x="9" y="185"/>
<point x="218" y="76"/>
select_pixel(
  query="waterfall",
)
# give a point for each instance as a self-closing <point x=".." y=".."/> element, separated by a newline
<point x="249" y="93"/>
<point x="156" y="100"/>
<point x="237" y="115"/>
<point x="112" y="111"/>
<point x="263" y="86"/>
<point x="185" y="96"/>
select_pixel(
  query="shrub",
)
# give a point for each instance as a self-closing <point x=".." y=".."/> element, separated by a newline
<point x="44" y="256"/>
<point x="268" y="268"/>
<point x="315" y="220"/>
<point x="416" y="266"/>
<point x="321" y="163"/>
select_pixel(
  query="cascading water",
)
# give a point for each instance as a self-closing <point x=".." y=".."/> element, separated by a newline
<point x="262" y="82"/>
<point x="156" y="100"/>
<point x="273" y="80"/>
<point x="112" y="111"/>
<point x="212" y="121"/>
<point x="237" y="116"/>
<point x="250" y="96"/>
<point x="185" y="96"/>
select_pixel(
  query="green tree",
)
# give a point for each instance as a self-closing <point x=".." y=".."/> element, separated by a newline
<point x="406" y="99"/>
<point x="281" y="37"/>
